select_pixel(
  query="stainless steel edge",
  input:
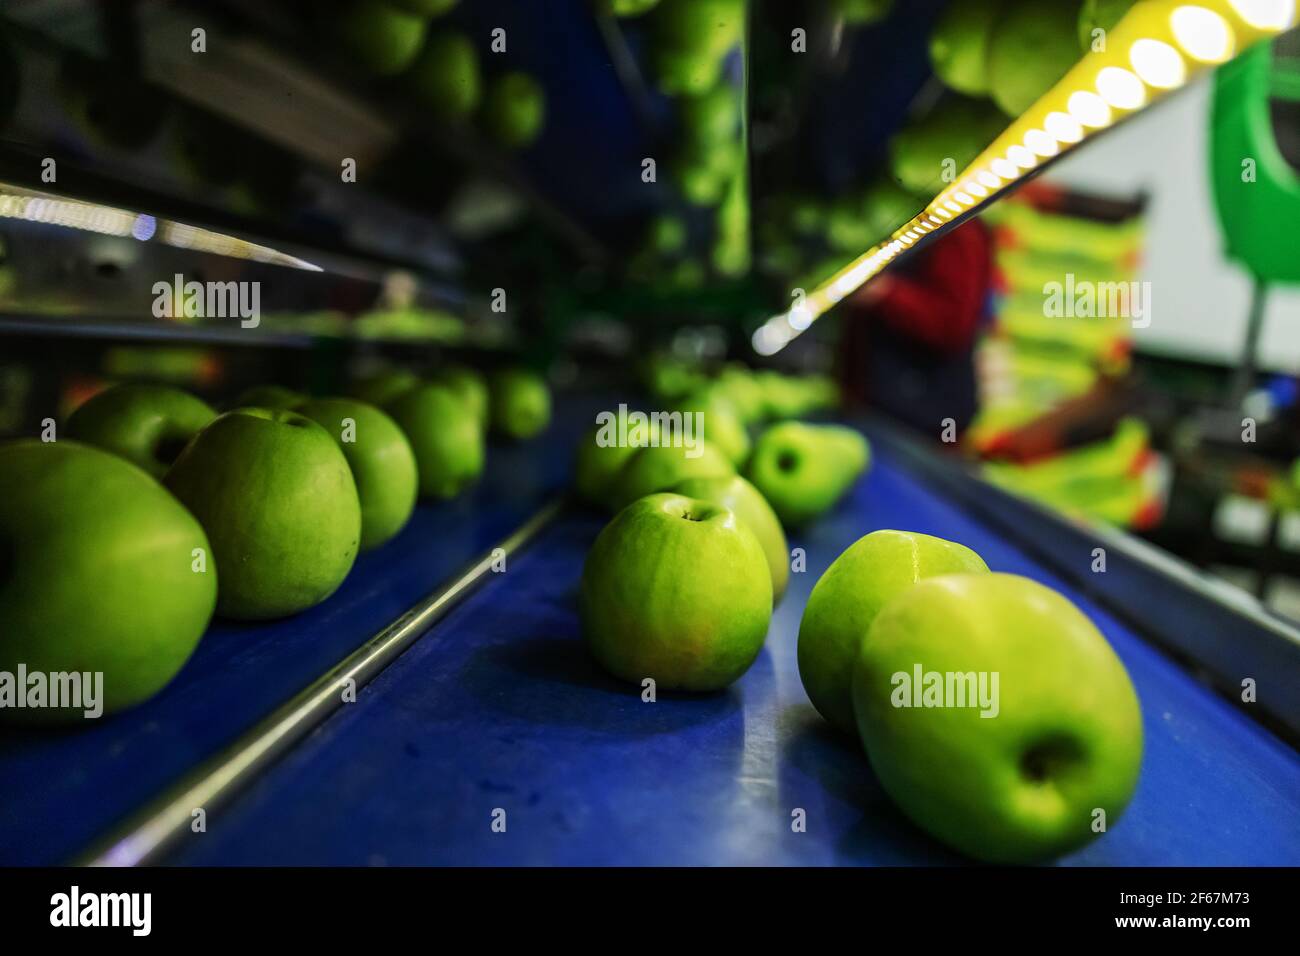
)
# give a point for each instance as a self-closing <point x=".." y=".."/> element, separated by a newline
<point x="159" y="824"/>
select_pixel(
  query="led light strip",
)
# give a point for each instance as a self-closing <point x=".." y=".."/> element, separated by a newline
<point x="31" y="206"/>
<point x="1158" y="47"/>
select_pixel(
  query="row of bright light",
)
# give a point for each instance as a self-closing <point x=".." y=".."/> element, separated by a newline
<point x="108" y="221"/>
<point x="1165" y="42"/>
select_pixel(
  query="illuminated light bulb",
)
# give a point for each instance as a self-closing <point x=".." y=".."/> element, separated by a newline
<point x="1265" y="14"/>
<point x="800" y="319"/>
<point x="1063" y="127"/>
<point x="943" y="214"/>
<point x="1005" y="168"/>
<point x="988" y="179"/>
<point x="1158" y="64"/>
<point x="936" y="221"/>
<point x="964" y="198"/>
<point x="1089" y="109"/>
<point x="952" y="206"/>
<point x="1022" y="157"/>
<point x="974" y="188"/>
<point x="1120" y="88"/>
<point x="1041" y="143"/>
<point x="1203" y="34"/>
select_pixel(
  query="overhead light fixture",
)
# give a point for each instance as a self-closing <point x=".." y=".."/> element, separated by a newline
<point x="1202" y="33"/>
<point x="1158" y="46"/>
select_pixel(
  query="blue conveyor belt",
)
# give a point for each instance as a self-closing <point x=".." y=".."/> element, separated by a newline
<point x="499" y="707"/>
<point x="64" y="787"/>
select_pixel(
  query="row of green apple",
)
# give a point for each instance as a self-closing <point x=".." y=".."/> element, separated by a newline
<point x="151" y="512"/>
<point x="390" y="37"/>
<point x="679" y="588"/>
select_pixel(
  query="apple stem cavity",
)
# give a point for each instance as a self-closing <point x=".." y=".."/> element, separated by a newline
<point x="1047" y="759"/>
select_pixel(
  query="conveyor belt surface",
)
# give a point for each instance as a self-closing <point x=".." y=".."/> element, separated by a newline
<point x="63" y="787"/>
<point x="499" y="707"/>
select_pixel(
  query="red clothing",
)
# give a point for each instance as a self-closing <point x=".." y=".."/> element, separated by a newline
<point x="908" y="336"/>
<point x="941" y="299"/>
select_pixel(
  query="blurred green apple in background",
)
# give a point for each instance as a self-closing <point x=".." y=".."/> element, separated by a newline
<point x="959" y="44"/>
<point x="445" y="435"/>
<point x="847" y="598"/>
<point x="659" y="468"/>
<point x="101" y="570"/>
<point x="470" y="386"/>
<point x="425" y="8"/>
<point x="803" y="470"/>
<point x="514" y="111"/>
<point x="1032" y="46"/>
<point x="381" y="388"/>
<point x="1032" y="736"/>
<point x="381" y="459"/>
<point x="446" y="77"/>
<point x="862" y="12"/>
<point x="147" y="425"/>
<point x="382" y="38"/>
<point x="520" y="403"/>
<point x="628" y="8"/>
<point x="601" y="457"/>
<point x="676" y="590"/>
<point x="278" y="502"/>
<point x="721" y="427"/>
<point x="269" y="396"/>
<point x="1100" y="15"/>
<point x="943" y="142"/>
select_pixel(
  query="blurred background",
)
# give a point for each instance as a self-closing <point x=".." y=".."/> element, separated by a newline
<point x="640" y="195"/>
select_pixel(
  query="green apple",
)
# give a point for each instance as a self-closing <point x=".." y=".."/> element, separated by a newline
<point x="1022" y="775"/>
<point x="747" y="502"/>
<point x="444" y="434"/>
<point x="446" y="76"/>
<point x="956" y="131"/>
<point x="706" y="27"/>
<point x="520" y="403"/>
<point x="847" y="598"/>
<point x="514" y="111"/>
<point x="147" y="425"/>
<point x="383" y="387"/>
<point x="381" y="459"/>
<point x="737" y="384"/>
<point x="425" y="8"/>
<point x="269" y="396"/>
<point x="602" y="453"/>
<point x="862" y="12"/>
<point x="685" y="72"/>
<point x="277" y="499"/>
<point x="1032" y="46"/>
<point x="382" y="38"/>
<point x="713" y="117"/>
<point x="101" y="570"/>
<point x="886" y="206"/>
<point x="1100" y="15"/>
<point x="629" y="8"/>
<point x="668" y="235"/>
<point x="658" y="468"/>
<point x="470" y="386"/>
<point x="722" y="427"/>
<point x="676" y="590"/>
<point x="803" y="470"/>
<point x="960" y="42"/>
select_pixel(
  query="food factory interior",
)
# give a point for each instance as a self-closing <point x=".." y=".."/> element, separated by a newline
<point x="650" y="432"/>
